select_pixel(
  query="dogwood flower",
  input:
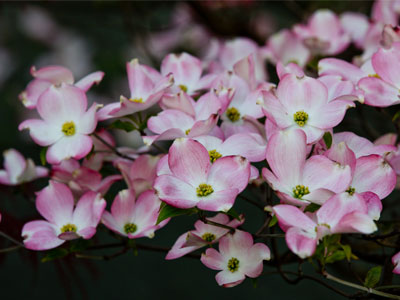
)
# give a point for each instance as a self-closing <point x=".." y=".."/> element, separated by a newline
<point x="299" y="181"/>
<point x="56" y="204"/>
<point x="383" y="91"/>
<point x="302" y="102"/>
<point x="66" y="124"/>
<point x="342" y="213"/>
<point x="134" y="218"/>
<point x="18" y="169"/>
<point x="237" y="258"/>
<point x="54" y="75"/>
<point x="147" y="86"/>
<point x="203" y="235"/>
<point x="324" y="33"/>
<point x="196" y="182"/>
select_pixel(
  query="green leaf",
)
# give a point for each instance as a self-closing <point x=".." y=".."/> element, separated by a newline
<point x="233" y="213"/>
<point x="168" y="211"/>
<point x="55" y="254"/>
<point x="255" y="282"/>
<point x="396" y="116"/>
<point x="328" y="139"/>
<point x="336" y="256"/>
<point x="127" y="126"/>
<point x="347" y="251"/>
<point x="373" y="276"/>
<point x="43" y="156"/>
<point x="312" y="207"/>
<point x="273" y="221"/>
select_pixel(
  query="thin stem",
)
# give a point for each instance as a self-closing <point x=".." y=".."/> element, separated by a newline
<point x="264" y="226"/>
<point x="359" y="287"/>
<point x="111" y="147"/>
<point x="11" y="239"/>
<point x="255" y="203"/>
<point x="387" y="287"/>
<point x="10" y="249"/>
<point x="203" y="218"/>
<point x="271" y="235"/>
<point x="304" y="276"/>
<point x="231" y="229"/>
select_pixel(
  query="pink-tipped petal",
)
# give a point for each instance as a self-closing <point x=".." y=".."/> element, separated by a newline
<point x="300" y="242"/>
<point x="14" y="164"/>
<point x="42" y="133"/>
<point x="88" y="81"/>
<point x="229" y="172"/>
<point x="123" y="206"/>
<point x="284" y="162"/>
<point x="55" y="203"/>
<point x="386" y="64"/>
<point x="175" y="192"/>
<point x="321" y="172"/>
<point x="396" y="263"/>
<point x="219" y="201"/>
<point x="53" y="74"/>
<point x="378" y="92"/>
<point x="213" y="259"/>
<point x="77" y="146"/>
<point x="290" y="216"/>
<point x="40" y="235"/>
<point x="189" y="161"/>
<point x="374" y="174"/>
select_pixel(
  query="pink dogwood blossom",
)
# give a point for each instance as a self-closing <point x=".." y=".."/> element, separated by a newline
<point x="342" y="213"/>
<point x="195" y="181"/>
<point x="203" y="235"/>
<point x="18" y="170"/>
<point x="299" y="181"/>
<point x="134" y="218"/>
<point x="65" y="124"/>
<point x="303" y="103"/>
<point x="237" y="258"/>
<point x="147" y="86"/>
<point x="54" y="75"/>
<point x="63" y="222"/>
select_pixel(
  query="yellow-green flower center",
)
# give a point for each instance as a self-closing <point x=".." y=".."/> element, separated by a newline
<point x="233" y="114"/>
<point x="183" y="87"/>
<point x="233" y="264"/>
<point x="208" y="237"/>
<point x="68" y="128"/>
<point x="299" y="191"/>
<point x="204" y="190"/>
<point x="68" y="228"/>
<point x="351" y="190"/>
<point x="130" y="228"/>
<point x="187" y="131"/>
<point x="300" y="118"/>
<point x="214" y="155"/>
<point x="136" y="100"/>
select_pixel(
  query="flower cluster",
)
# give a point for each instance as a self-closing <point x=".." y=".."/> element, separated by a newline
<point x="224" y="122"/>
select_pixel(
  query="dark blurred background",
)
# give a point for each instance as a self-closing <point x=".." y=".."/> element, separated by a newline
<point x="103" y="35"/>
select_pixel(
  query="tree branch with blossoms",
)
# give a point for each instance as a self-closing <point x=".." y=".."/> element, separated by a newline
<point x="214" y="133"/>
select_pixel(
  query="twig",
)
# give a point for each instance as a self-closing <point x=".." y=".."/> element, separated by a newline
<point x="11" y="239"/>
<point x="112" y="147"/>
<point x="255" y="203"/>
<point x="271" y="235"/>
<point x="359" y="287"/>
<point x="304" y="276"/>
<point x="10" y="249"/>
